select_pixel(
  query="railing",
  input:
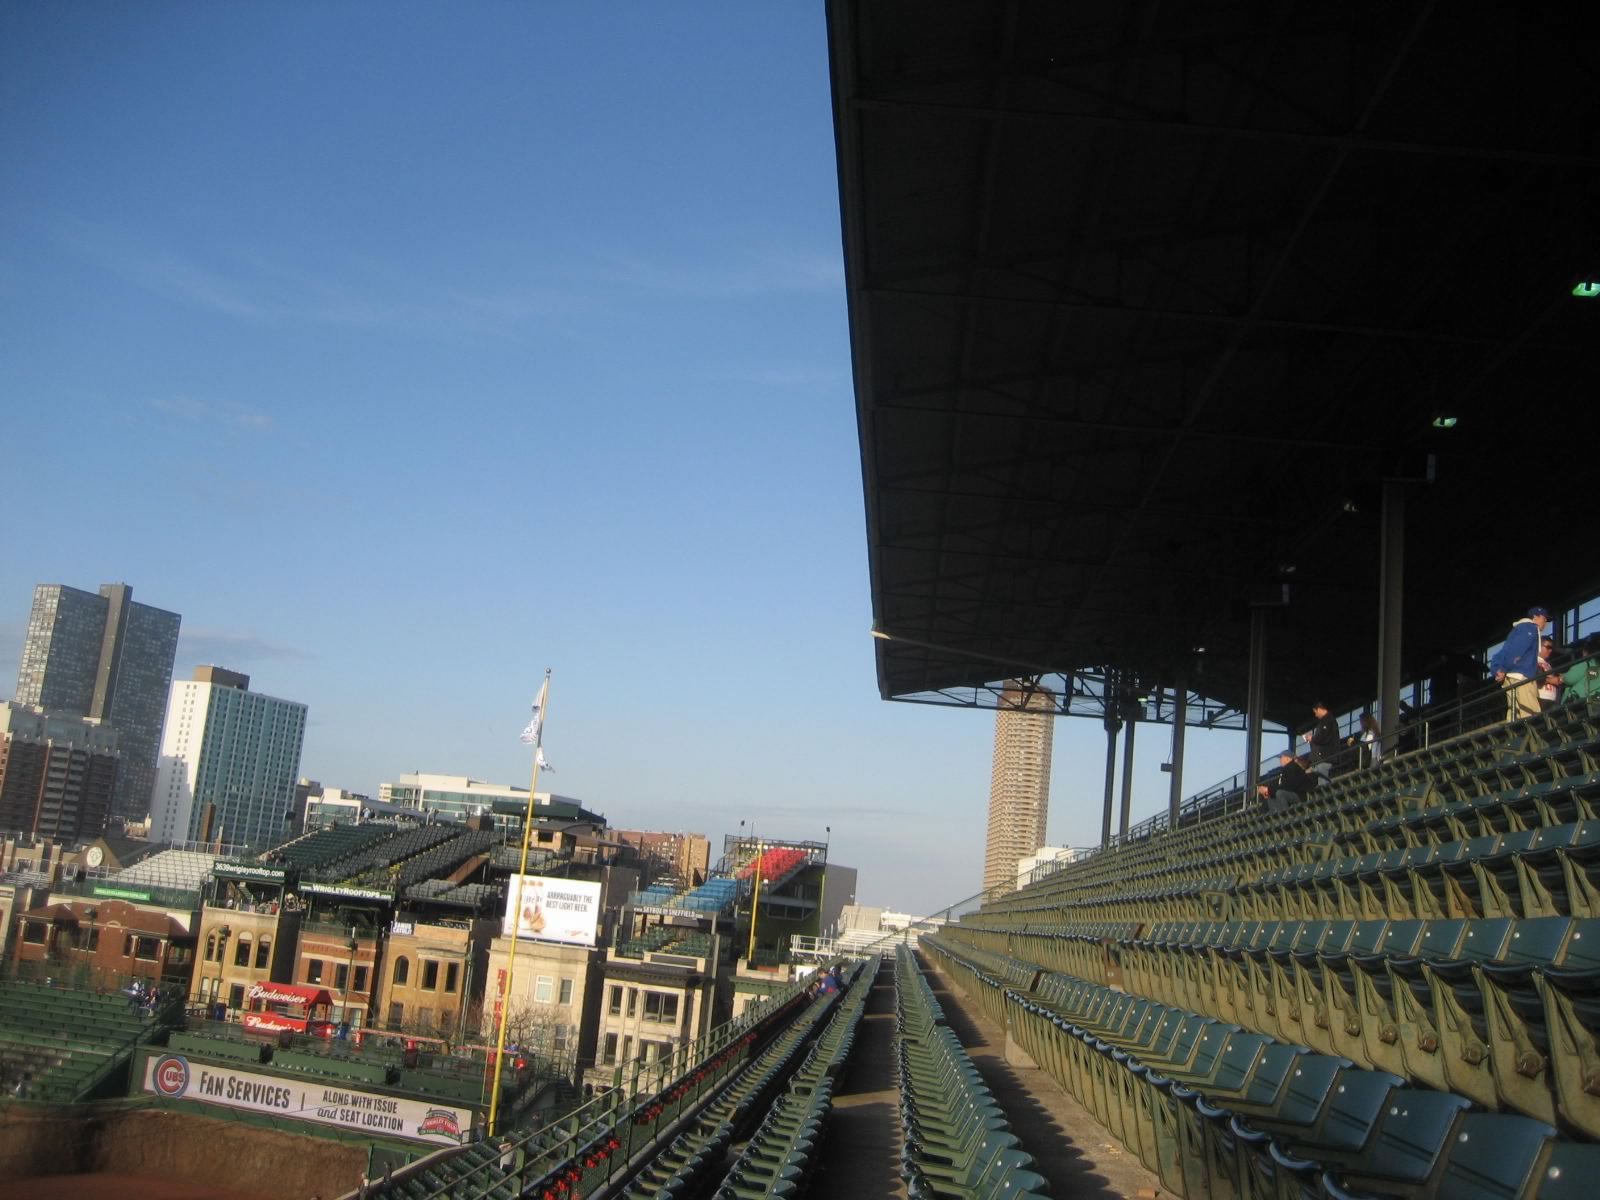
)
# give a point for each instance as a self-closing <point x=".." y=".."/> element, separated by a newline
<point x="1435" y="724"/>
<point x="607" y="1137"/>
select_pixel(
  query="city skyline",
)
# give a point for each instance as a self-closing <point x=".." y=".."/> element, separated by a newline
<point x="402" y="381"/>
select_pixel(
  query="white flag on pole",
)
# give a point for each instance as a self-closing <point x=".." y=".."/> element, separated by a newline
<point x="539" y="761"/>
<point x="530" y="735"/>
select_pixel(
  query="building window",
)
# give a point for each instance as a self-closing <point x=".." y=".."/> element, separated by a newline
<point x="127" y="945"/>
<point x="314" y="970"/>
<point x="661" y="1006"/>
<point x="89" y="939"/>
<point x="615" y="1007"/>
<point x="263" y="953"/>
<point x="361" y="979"/>
<point x="402" y="971"/>
<point x="633" y="1001"/>
<point x="241" y="951"/>
<point x="33" y="933"/>
<point x="147" y="948"/>
<point x="610" y="1056"/>
<point x="451" y="971"/>
<point x="397" y="1014"/>
<point x="341" y="978"/>
<point x="424" y="1018"/>
<point x="543" y="989"/>
<point x="236" y="996"/>
<point x="566" y="992"/>
<point x="211" y="947"/>
<point x="430" y="974"/>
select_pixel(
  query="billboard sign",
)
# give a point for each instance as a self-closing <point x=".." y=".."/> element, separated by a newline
<point x="174" y="1077"/>
<point x="553" y="910"/>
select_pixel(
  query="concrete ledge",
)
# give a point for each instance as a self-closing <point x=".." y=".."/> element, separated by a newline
<point x="1016" y="1056"/>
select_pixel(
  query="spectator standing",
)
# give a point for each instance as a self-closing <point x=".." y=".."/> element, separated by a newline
<point x="1324" y="740"/>
<point x="1371" y="739"/>
<point x="1549" y="680"/>
<point x="1516" y="664"/>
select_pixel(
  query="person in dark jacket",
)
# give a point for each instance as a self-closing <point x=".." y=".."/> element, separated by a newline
<point x="1291" y="785"/>
<point x="1324" y="740"/>
<point x="1516" y="664"/>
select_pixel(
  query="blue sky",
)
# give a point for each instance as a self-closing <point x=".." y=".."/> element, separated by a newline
<point x="408" y="349"/>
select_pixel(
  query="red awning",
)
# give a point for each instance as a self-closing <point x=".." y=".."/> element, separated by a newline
<point x="303" y="994"/>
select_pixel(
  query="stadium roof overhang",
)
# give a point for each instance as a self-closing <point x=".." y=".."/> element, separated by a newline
<point x="1148" y="301"/>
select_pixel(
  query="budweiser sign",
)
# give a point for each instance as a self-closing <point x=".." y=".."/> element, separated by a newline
<point x="272" y="995"/>
<point x="272" y="1023"/>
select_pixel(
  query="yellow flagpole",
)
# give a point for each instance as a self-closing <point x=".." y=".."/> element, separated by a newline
<point x="755" y="907"/>
<point x="516" y="909"/>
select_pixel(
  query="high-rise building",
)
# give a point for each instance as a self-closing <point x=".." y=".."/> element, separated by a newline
<point x="108" y="657"/>
<point x="1019" y="783"/>
<point x="57" y="773"/>
<point x="229" y="761"/>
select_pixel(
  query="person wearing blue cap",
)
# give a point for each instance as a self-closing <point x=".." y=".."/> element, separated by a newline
<point x="1516" y="664"/>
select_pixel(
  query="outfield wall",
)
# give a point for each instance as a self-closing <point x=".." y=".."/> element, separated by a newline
<point x="226" y="1154"/>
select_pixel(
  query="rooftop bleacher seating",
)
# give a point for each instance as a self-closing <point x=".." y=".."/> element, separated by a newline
<point x="714" y="895"/>
<point x="326" y="846"/>
<point x="376" y="863"/>
<point x="774" y="864"/>
<point x="177" y="870"/>
<point x="446" y="855"/>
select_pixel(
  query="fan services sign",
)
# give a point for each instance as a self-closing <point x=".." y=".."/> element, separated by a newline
<point x="174" y="1077"/>
<point x="553" y="910"/>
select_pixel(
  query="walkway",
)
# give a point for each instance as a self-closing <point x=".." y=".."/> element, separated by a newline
<point x="1071" y="1149"/>
<point x="860" y="1153"/>
<point x="861" y="1147"/>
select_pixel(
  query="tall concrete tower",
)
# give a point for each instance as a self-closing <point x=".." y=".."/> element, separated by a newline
<point x="1019" y="784"/>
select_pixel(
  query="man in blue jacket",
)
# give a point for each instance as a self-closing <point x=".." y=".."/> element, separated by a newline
<point x="1516" y="664"/>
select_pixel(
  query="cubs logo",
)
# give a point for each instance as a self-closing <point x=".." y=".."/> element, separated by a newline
<point x="171" y="1076"/>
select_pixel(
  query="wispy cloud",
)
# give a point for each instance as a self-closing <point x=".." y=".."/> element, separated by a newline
<point x="167" y="274"/>
<point x="232" y="648"/>
<point x="717" y="276"/>
<point x="213" y="412"/>
<point x="251" y="286"/>
<point x="792" y="377"/>
<point x="247" y="284"/>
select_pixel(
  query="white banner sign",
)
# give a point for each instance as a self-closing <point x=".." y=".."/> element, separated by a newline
<point x="553" y="910"/>
<point x="176" y="1078"/>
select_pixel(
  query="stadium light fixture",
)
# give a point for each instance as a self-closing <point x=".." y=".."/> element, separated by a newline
<point x="1587" y="290"/>
<point x="1445" y="421"/>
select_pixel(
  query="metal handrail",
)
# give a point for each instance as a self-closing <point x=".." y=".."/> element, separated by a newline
<point x="620" y="1114"/>
<point x="1476" y="709"/>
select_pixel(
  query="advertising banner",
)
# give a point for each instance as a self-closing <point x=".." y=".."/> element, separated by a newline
<point x="174" y="1077"/>
<point x="271" y="1022"/>
<point x="553" y="910"/>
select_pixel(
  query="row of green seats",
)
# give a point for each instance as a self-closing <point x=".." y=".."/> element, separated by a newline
<point x="778" y="1160"/>
<point x="1221" y="1111"/>
<point x="957" y="1141"/>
